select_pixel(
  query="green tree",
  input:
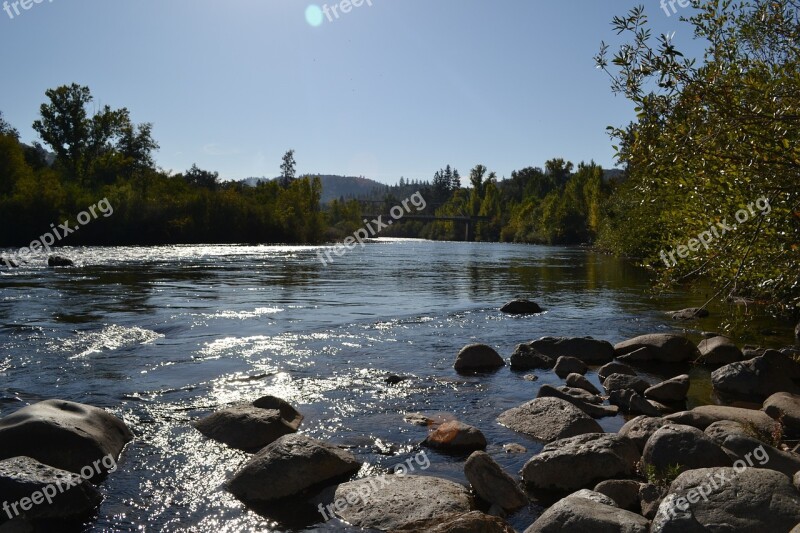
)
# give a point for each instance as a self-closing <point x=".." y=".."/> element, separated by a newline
<point x="288" y="169"/>
<point x="7" y="129"/>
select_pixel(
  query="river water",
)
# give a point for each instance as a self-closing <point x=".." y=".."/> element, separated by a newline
<point x="161" y="336"/>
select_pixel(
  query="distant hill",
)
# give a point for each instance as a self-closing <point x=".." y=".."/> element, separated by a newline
<point x="335" y="187"/>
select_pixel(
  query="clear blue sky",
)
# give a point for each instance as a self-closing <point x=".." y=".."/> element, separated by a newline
<point x="399" y="88"/>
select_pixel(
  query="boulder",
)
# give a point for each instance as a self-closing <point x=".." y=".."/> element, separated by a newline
<point x="631" y="402"/>
<point x="587" y="406"/>
<point x="748" y="500"/>
<point x="569" y="365"/>
<point x="690" y="313"/>
<point x="615" y="367"/>
<point x="650" y="497"/>
<point x="455" y="437"/>
<point x="65" y="435"/>
<point x="718" y="351"/>
<point x="548" y="419"/>
<point x="759" y="377"/>
<point x="521" y="307"/>
<point x="756" y="454"/>
<point x="657" y="347"/>
<point x="580" y="382"/>
<point x="59" y="261"/>
<point x="62" y="495"/>
<point x="640" y="429"/>
<point x="580" y="394"/>
<point x="786" y="407"/>
<point x="624" y="492"/>
<point x="705" y="415"/>
<point x="476" y="357"/>
<point x="720" y="430"/>
<point x="582" y="514"/>
<point x="299" y="462"/>
<point x="675" y="448"/>
<point x="493" y="484"/>
<point x="247" y="427"/>
<point x="472" y="522"/>
<point x="586" y="349"/>
<point x="395" y="502"/>
<point x="526" y="358"/>
<point x="582" y="461"/>
<point x="624" y="381"/>
<point x="669" y="391"/>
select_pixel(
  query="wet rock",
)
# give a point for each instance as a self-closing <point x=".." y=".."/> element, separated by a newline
<point x="472" y="522"/>
<point x="624" y="492"/>
<point x="690" y="313"/>
<point x="586" y="349"/>
<point x="624" y="381"/>
<point x="669" y="391"/>
<point x="718" y="351"/>
<point x="476" y="357"/>
<point x="62" y="434"/>
<point x="569" y="365"/>
<point x="62" y="494"/>
<point x="750" y="500"/>
<point x="580" y="513"/>
<point x="456" y="437"/>
<point x="513" y="447"/>
<point x="615" y="368"/>
<point x="759" y="377"/>
<point x="418" y="419"/>
<point x="248" y="427"/>
<point x="526" y="358"/>
<point x="299" y="462"/>
<point x="786" y="407"/>
<point x="582" y="461"/>
<point x="705" y="415"/>
<point x="756" y="454"/>
<point x="548" y="419"/>
<point x="492" y="483"/>
<point x="59" y="261"/>
<point x="587" y="406"/>
<point x="396" y="502"/>
<point x="631" y="402"/>
<point x="394" y="379"/>
<point x="679" y="448"/>
<point x="640" y="429"/>
<point x="657" y="347"/>
<point x="580" y="382"/>
<point x="521" y="307"/>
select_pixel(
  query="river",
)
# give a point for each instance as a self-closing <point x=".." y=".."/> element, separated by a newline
<point x="161" y="336"/>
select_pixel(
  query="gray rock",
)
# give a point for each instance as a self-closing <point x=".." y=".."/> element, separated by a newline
<point x="548" y="419"/>
<point x="650" y="497"/>
<point x="476" y="357"/>
<point x="752" y="500"/>
<point x="669" y="391"/>
<point x="245" y="427"/>
<point x="492" y="483"/>
<point x="62" y="494"/>
<point x="582" y="514"/>
<point x="705" y="415"/>
<point x="580" y="382"/>
<point x="657" y="347"/>
<point x="397" y="502"/>
<point x="588" y="407"/>
<point x="521" y="307"/>
<point x="631" y="402"/>
<point x="680" y="448"/>
<point x="720" y="430"/>
<point x="796" y="480"/>
<point x="640" y="429"/>
<point x="759" y="377"/>
<point x="797" y="330"/>
<point x="581" y="394"/>
<point x="624" y="492"/>
<point x="59" y="261"/>
<point x="586" y="349"/>
<point x="455" y="437"/>
<point x="299" y="462"/>
<point x="690" y="313"/>
<point x="756" y="454"/>
<point x="786" y="407"/>
<point x="63" y="434"/>
<point x="472" y="522"/>
<point x="289" y="414"/>
<point x="526" y="358"/>
<point x="582" y="461"/>
<point x="569" y="365"/>
<point x="615" y="367"/>
<point x="718" y="351"/>
<point x="624" y="381"/>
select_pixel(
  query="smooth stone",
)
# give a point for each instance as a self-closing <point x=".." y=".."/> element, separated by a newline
<point x="641" y="428"/>
<point x="684" y="447"/>
<point x="631" y="402"/>
<point x="548" y="419"/>
<point x="786" y="407"/>
<point x="669" y="391"/>
<point x="492" y="483"/>
<point x="624" y="492"/>
<point x="703" y="416"/>
<point x="478" y="357"/>
<point x="650" y="497"/>
<point x="758" y="378"/>
<point x="456" y="437"/>
<point x="580" y="382"/>
<point x="513" y="447"/>
<point x="588" y="407"/>
<point x="581" y="394"/>
<point x="521" y="307"/>
<point x="526" y="358"/>
<point x="718" y="351"/>
<point x="569" y="365"/>
<point x="749" y="450"/>
<point x="584" y="514"/>
<point x="657" y="347"/>
<point x="586" y="349"/>
<point x="624" y="381"/>
<point x="245" y="427"/>
<point x="417" y="419"/>
<point x="472" y="522"/>
<point x="721" y="429"/>
<point x="615" y="367"/>
<point x="59" y="261"/>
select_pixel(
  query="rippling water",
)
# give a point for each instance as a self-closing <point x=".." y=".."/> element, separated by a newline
<point x="164" y="335"/>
